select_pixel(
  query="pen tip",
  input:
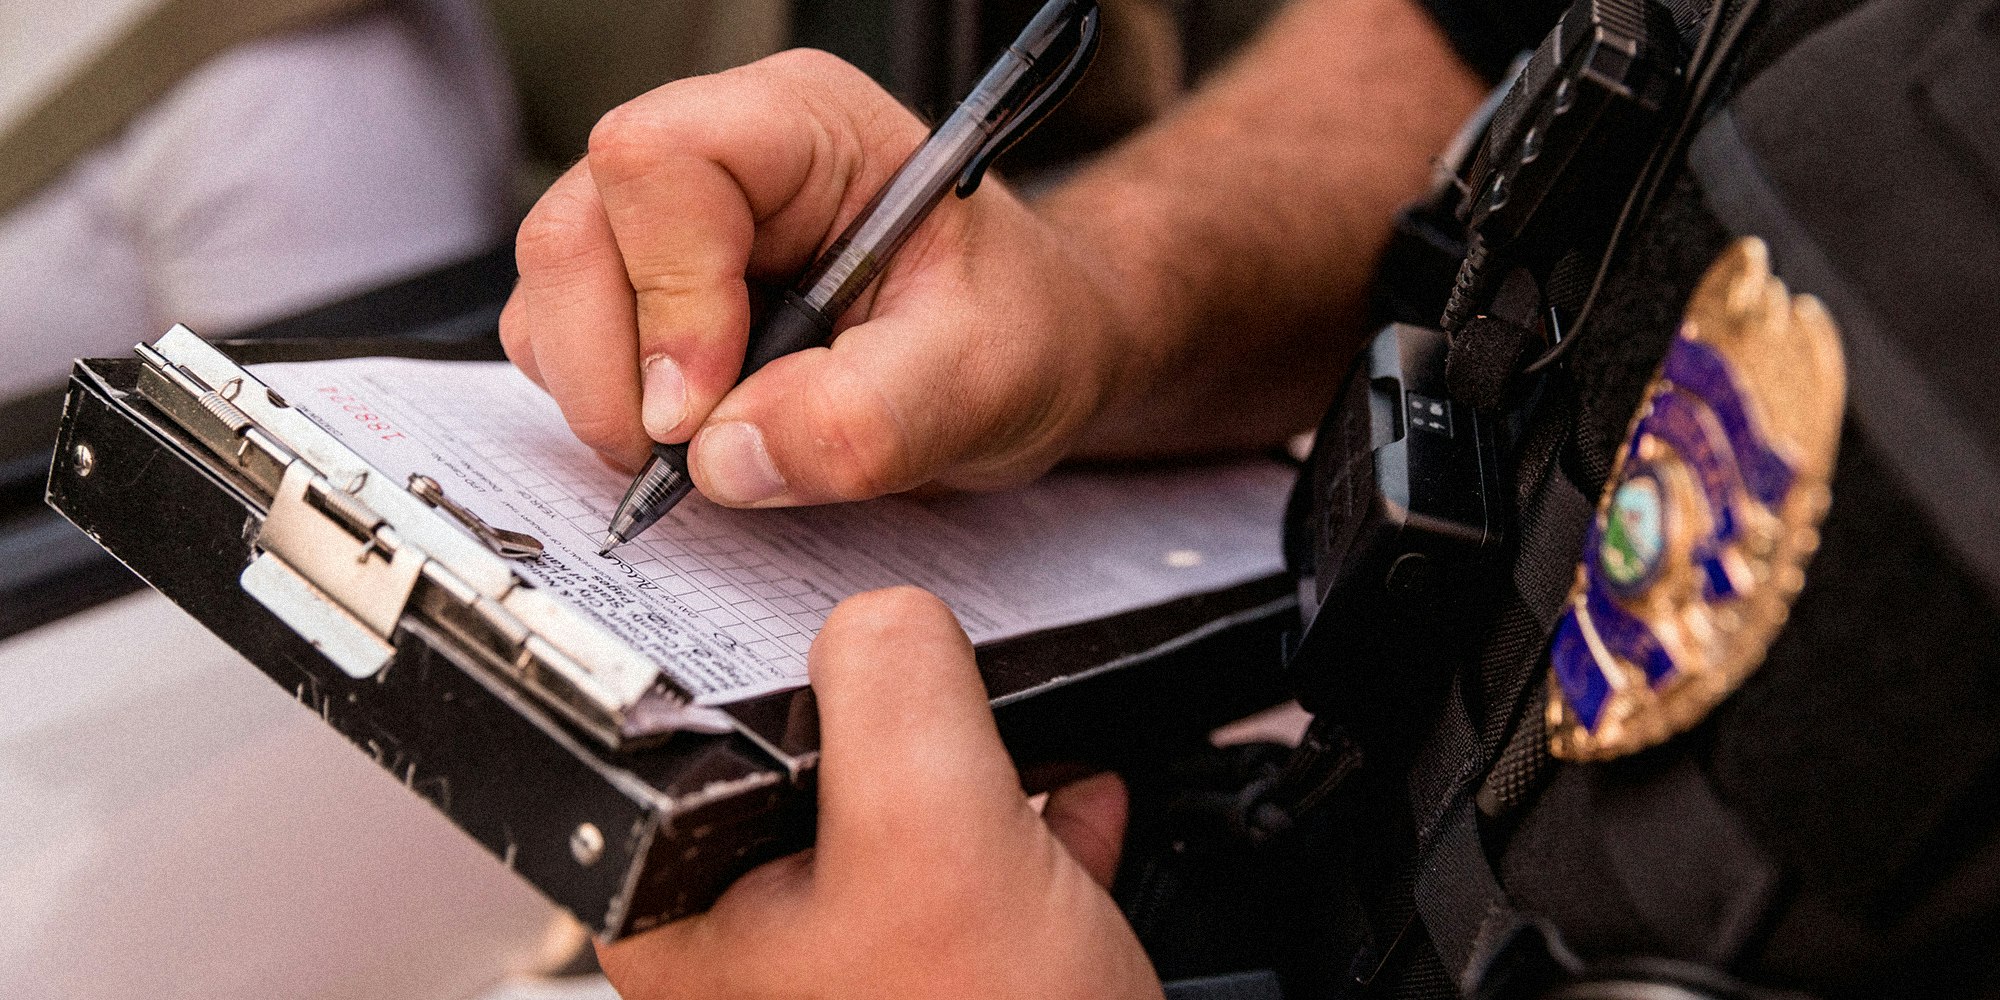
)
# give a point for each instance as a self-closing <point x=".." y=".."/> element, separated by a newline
<point x="611" y="541"/>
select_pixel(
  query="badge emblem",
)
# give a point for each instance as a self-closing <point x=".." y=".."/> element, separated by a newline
<point x="1713" y="509"/>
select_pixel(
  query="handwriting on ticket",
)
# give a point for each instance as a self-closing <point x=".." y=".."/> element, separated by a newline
<point x="728" y="601"/>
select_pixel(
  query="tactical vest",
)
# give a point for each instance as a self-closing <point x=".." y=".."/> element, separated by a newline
<point x="1830" y="827"/>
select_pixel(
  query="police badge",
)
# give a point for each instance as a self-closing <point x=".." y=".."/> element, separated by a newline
<point x="1711" y="513"/>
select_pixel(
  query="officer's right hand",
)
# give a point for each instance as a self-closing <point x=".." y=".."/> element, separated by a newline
<point x="977" y="360"/>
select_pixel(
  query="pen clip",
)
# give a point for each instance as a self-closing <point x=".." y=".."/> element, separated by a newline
<point x="1044" y="96"/>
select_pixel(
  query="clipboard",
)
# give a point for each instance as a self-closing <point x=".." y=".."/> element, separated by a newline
<point x="393" y="615"/>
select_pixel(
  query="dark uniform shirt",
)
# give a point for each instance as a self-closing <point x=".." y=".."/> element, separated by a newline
<point x="1832" y="826"/>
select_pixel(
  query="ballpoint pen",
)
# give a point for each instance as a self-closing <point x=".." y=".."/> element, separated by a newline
<point x="1022" y="87"/>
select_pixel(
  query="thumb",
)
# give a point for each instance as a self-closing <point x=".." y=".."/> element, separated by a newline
<point x="1088" y="818"/>
<point x="908" y="747"/>
<point x="973" y="384"/>
<point x="862" y="418"/>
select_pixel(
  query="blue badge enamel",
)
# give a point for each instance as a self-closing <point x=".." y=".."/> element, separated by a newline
<point x="1713" y="510"/>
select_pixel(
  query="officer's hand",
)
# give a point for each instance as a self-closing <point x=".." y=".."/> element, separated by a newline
<point x="982" y="352"/>
<point x="932" y="877"/>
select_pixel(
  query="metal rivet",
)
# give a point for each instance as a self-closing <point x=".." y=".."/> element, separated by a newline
<point x="86" y="459"/>
<point x="586" y="844"/>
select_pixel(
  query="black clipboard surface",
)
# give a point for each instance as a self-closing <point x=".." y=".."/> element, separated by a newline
<point x="628" y="840"/>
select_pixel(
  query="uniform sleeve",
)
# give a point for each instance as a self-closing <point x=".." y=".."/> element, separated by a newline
<point x="1489" y="33"/>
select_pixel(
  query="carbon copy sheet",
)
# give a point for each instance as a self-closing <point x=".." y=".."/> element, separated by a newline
<point x="727" y="601"/>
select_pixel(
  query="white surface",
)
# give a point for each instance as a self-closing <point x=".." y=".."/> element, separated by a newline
<point x="572" y="988"/>
<point x="284" y="174"/>
<point x="172" y="824"/>
<point x="727" y="601"/>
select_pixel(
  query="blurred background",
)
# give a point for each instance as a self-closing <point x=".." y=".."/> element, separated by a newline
<point x="314" y="178"/>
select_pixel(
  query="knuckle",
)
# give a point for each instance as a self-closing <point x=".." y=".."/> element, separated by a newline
<point x="514" y="338"/>
<point x="682" y="280"/>
<point x="510" y="317"/>
<point x="861" y="446"/>
<point x="554" y="237"/>
<point x="695" y="310"/>
<point x="844" y="102"/>
<point x="692" y="116"/>
<point x="601" y="429"/>
<point x="623" y="139"/>
<point x="815" y="65"/>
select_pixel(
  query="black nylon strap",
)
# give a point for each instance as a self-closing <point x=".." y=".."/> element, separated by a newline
<point x="1553" y="519"/>
<point x="1463" y="906"/>
<point x="1459" y="898"/>
<point x="1523" y="765"/>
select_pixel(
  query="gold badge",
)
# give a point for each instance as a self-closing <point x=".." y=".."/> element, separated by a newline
<point x="1713" y="509"/>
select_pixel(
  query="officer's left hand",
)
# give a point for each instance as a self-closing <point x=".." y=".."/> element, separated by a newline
<point x="933" y="877"/>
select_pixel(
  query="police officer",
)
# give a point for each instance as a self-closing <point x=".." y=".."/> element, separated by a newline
<point x="1723" y="715"/>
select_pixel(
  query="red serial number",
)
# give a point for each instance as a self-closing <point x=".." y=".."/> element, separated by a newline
<point x="361" y="413"/>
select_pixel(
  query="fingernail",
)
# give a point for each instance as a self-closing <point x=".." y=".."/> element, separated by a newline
<point x="664" y="399"/>
<point x="735" y="464"/>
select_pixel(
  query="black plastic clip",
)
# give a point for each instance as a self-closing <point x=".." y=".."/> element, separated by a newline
<point x="1046" y="85"/>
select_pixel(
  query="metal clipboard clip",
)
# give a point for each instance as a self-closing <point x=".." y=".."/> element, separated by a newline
<point x="355" y="563"/>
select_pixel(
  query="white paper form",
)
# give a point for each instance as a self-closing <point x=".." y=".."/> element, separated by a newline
<point x="727" y="601"/>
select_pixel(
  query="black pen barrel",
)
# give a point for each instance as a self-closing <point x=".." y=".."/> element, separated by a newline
<point x="789" y="328"/>
<point x="1015" y="90"/>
